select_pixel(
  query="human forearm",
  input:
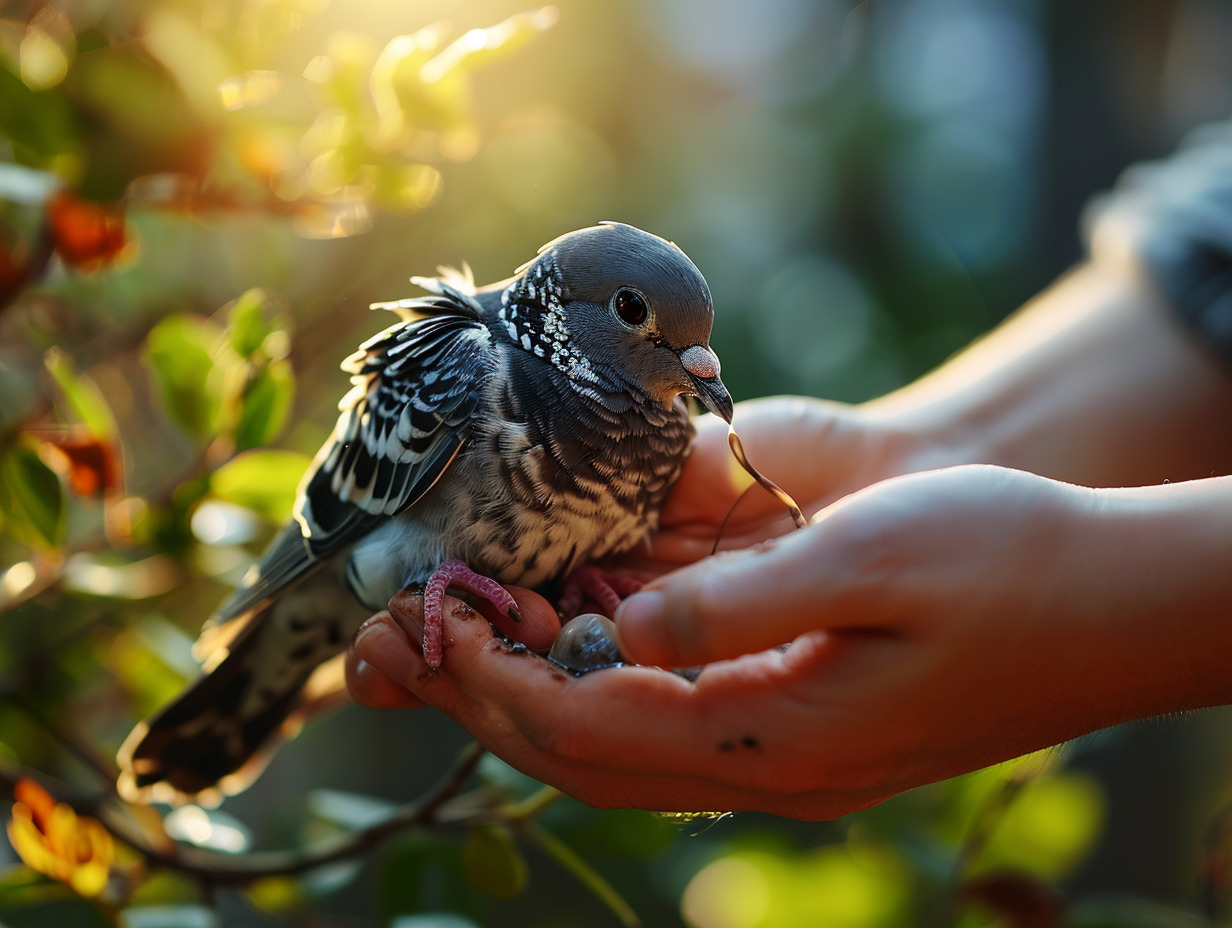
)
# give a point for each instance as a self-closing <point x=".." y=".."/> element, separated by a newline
<point x="1159" y="594"/>
<point x="1092" y="382"/>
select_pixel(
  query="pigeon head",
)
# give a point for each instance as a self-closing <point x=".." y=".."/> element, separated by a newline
<point x="614" y="304"/>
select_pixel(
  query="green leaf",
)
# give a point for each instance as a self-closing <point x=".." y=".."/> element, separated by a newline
<point x="424" y="874"/>
<point x="162" y="888"/>
<point x="1048" y="828"/>
<point x="340" y="76"/>
<point x="170" y="527"/>
<point x="278" y="894"/>
<point x="82" y="394"/>
<point x="407" y="187"/>
<point x="585" y="874"/>
<point x="31" y="498"/>
<point x="492" y="862"/>
<point x="628" y="833"/>
<point x="41" y="126"/>
<point x="838" y="886"/>
<point x="399" y="93"/>
<point x="480" y="46"/>
<point x="71" y="912"/>
<point x="181" y="352"/>
<point x="263" y="481"/>
<point x="264" y="405"/>
<point x="246" y="324"/>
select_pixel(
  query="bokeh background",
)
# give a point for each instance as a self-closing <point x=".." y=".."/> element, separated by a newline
<point x="866" y="186"/>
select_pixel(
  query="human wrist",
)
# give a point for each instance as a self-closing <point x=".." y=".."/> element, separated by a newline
<point x="1159" y="559"/>
<point x="1070" y="387"/>
<point x="1020" y="396"/>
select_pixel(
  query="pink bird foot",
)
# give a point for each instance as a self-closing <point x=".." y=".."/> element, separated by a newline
<point x="455" y="574"/>
<point x="590" y="582"/>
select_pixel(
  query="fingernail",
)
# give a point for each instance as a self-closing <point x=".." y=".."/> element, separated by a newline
<point x="639" y="627"/>
<point x="643" y="606"/>
<point x="363" y="631"/>
<point x="407" y="613"/>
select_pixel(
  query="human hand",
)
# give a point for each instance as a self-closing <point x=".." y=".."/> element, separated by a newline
<point x="537" y="628"/>
<point x="816" y="450"/>
<point x="939" y="622"/>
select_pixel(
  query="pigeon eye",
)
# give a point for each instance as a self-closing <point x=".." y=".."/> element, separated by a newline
<point x="630" y="306"/>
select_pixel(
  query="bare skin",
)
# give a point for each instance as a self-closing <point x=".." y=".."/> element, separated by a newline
<point x="971" y="587"/>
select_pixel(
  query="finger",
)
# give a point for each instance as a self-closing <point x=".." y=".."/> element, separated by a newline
<point x="743" y="524"/>
<point x="537" y="625"/>
<point x="736" y="726"/>
<point x="500" y="728"/>
<point x="366" y="684"/>
<point x="712" y="480"/>
<point x="783" y="437"/>
<point x="738" y="729"/>
<point x="595" y="743"/>
<point x="738" y="602"/>
<point x="468" y="638"/>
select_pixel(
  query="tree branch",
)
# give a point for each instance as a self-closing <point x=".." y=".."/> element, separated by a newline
<point x="220" y="869"/>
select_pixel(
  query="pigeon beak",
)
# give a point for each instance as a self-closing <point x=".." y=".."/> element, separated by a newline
<point x="702" y="366"/>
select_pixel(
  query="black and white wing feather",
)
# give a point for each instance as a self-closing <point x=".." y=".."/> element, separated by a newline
<point x="417" y="388"/>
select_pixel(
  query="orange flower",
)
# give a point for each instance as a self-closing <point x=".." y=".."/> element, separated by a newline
<point x="54" y="840"/>
<point x="89" y="236"/>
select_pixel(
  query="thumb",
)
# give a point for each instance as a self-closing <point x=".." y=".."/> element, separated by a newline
<point x="734" y="603"/>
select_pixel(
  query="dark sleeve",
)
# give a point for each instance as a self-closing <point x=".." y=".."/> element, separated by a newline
<point x="1174" y="218"/>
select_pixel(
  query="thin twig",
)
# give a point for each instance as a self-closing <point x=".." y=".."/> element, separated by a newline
<point x="533" y="804"/>
<point x="452" y="782"/>
<point x="987" y="817"/>
<point x="584" y="873"/>
<point x="215" y="868"/>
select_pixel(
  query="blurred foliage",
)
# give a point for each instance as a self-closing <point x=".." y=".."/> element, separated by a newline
<point x="198" y="199"/>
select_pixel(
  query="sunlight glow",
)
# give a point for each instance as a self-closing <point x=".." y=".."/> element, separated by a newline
<point x="17" y="579"/>
<point x="214" y="830"/>
<point x="730" y="893"/>
<point x="249" y="89"/>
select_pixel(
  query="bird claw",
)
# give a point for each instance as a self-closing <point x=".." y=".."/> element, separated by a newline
<point x="455" y="574"/>
<point x="595" y="583"/>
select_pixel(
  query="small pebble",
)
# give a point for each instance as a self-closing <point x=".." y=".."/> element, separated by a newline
<point x="586" y="643"/>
